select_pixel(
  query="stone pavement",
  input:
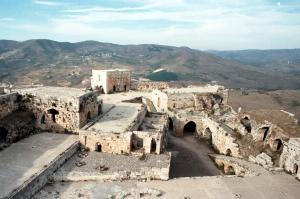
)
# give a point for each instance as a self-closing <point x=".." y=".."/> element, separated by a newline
<point x="28" y="157"/>
<point x="280" y="186"/>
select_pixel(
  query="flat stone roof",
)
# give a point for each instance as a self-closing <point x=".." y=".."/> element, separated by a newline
<point x="59" y="92"/>
<point x="118" y="119"/>
<point x="154" y="122"/>
<point x="113" y="70"/>
<point x="194" y="89"/>
<point x="26" y="158"/>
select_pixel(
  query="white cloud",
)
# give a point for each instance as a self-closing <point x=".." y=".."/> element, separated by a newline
<point x="211" y="26"/>
<point x="47" y="3"/>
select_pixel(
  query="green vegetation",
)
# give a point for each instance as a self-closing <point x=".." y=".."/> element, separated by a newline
<point x="163" y="76"/>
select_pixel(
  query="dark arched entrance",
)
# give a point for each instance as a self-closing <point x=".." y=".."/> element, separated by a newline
<point x="190" y="127"/>
<point x="3" y="134"/>
<point x="246" y="123"/>
<point x="53" y="113"/>
<point x="125" y="87"/>
<point x="114" y="88"/>
<point x="99" y="109"/>
<point x="279" y="144"/>
<point x="171" y="125"/>
<point x="88" y="117"/>
<point x="98" y="147"/>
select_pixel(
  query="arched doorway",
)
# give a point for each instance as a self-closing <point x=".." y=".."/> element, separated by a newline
<point x="3" y="134"/>
<point x="190" y="128"/>
<point x="98" y="147"/>
<point x="88" y="117"/>
<point x="171" y="125"/>
<point x="228" y="152"/>
<point x="53" y="113"/>
<point x="153" y="146"/>
<point x="246" y="123"/>
<point x="114" y="88"/>
<point x="207" y="134"/>
<point x="229" y="170"/>
<point x="278" y="144"/>
<point x="125" y="87"/>
<point x="99" y="109"/>
<point x="43" y="119"/>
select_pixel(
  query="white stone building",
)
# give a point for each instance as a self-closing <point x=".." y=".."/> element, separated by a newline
<point x="110" y="81"/>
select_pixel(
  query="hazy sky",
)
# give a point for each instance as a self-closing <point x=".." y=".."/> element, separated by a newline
<point x="201" y="24"/>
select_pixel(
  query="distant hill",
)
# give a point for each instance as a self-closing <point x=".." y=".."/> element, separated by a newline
<point x="69" y="64"/>
<point x="285" y="60"/>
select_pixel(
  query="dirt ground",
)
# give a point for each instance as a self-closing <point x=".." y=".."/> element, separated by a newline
<point x="288" y="100"/>
<point x="190" y="157"/>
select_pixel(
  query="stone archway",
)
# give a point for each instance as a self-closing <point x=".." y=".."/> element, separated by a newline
<point x="114" y="88"/>
<point x="190" y="128"/>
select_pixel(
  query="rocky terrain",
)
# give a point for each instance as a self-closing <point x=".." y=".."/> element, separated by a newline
<point x="69" y="64"/>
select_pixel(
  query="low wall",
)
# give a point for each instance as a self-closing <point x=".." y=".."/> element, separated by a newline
<point x="36" y="182"/>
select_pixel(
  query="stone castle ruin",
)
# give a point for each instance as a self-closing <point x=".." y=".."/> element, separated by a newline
<point x="135" y="127"/>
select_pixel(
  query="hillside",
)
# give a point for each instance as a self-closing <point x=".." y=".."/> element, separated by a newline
<point x="69" y="64"/>
<point x="286" y="60"/>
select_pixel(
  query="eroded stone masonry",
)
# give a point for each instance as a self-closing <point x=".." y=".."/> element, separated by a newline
<point x="136" y="126"/>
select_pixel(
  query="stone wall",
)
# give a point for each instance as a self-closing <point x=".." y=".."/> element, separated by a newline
<point x="222" y="137"/>
<point x="159" y="100"/>
<point x="151" y="85"/>
<point x="290" y="157"/>
<point x="66" y="114"/>
<point x="106" y="142"/>
<point x="89" y="108"/>
<point x="8" y="104"/>
<point x="16" y="126"/>
<point x="118" y="81"/>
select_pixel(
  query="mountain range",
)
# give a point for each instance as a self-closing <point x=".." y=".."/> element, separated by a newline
<point x="50" y="62"/>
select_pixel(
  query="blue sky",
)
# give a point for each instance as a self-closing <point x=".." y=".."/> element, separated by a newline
<point x="200" y="24"/>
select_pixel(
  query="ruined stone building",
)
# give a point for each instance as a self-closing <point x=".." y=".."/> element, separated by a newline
<point x="257" y="136"/>
<point x="109" y="81"/>
<point x="55" y="109"/>
<point x="138" y="125"/>
<point x="127" y="128"/>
